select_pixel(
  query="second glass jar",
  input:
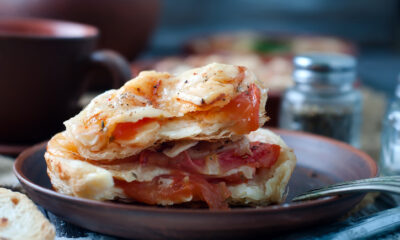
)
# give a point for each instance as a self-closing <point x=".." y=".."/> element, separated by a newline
<point x="323" y="100"/>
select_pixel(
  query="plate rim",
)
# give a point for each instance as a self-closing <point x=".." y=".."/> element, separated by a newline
<point x="160" y="210"/>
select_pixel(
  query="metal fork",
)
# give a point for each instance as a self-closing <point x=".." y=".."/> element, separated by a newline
<point x="389" y="184"/>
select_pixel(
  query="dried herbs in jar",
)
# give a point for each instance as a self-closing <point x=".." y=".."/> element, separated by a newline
<point x="329" y="122"/>
<point x="323" y="100"/>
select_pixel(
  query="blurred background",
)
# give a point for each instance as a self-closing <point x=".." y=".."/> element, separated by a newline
<point x="372" y="26"/>
<point x="162" y="27"/>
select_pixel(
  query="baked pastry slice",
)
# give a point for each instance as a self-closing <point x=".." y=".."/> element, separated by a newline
<point x="210" y="151"/>
<point x="251" y="171"/>
<point x="20" y="219"/>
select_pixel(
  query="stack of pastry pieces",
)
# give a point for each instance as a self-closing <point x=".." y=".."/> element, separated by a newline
<point x="165" y="140"/>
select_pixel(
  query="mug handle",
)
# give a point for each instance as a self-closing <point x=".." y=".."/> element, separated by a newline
<point x="118" y="68"/>
<point x="114" y="63"/>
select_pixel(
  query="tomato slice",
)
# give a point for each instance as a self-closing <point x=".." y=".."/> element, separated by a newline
<point x="177" y="188"/>
<point x="243" y="110"/>
<point x="126" y="130"/>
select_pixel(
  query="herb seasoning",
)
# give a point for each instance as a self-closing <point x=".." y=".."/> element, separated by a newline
<point x="334" y="123"/>
<point x="323" y="101"/>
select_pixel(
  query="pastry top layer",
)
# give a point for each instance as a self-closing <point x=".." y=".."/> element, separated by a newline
<point x="208" y="103"/>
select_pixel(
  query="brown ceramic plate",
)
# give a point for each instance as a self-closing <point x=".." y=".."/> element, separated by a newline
<point x="321" y="161"/>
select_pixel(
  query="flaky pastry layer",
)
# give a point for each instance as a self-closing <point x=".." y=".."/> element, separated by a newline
<point x="186" y="106"/>
<point x="73" y="175"/>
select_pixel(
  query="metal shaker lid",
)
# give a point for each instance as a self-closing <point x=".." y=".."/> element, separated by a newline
<point x="324" y="68"/>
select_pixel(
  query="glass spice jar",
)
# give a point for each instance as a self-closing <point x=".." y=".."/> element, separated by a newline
<point x="389" y="163"/>
<point x="323" y="100"/>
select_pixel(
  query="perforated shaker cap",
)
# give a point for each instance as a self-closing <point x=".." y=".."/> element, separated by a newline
<point x="324" y="68"/>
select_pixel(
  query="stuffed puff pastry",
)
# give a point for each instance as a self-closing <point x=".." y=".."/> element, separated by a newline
<point x="163" y="140"/>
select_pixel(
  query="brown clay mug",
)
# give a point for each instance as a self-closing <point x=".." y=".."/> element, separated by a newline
<point x="44" y="66"/>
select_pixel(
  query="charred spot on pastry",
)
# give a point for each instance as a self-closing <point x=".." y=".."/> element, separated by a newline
<point x="102" y="125"/>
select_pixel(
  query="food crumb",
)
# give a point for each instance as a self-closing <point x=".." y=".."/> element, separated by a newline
<point x="15" y="200"/>
<point x="3" y="222"/>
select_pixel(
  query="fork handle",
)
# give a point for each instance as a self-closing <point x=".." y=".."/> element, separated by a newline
<point x="348" y="189"/>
